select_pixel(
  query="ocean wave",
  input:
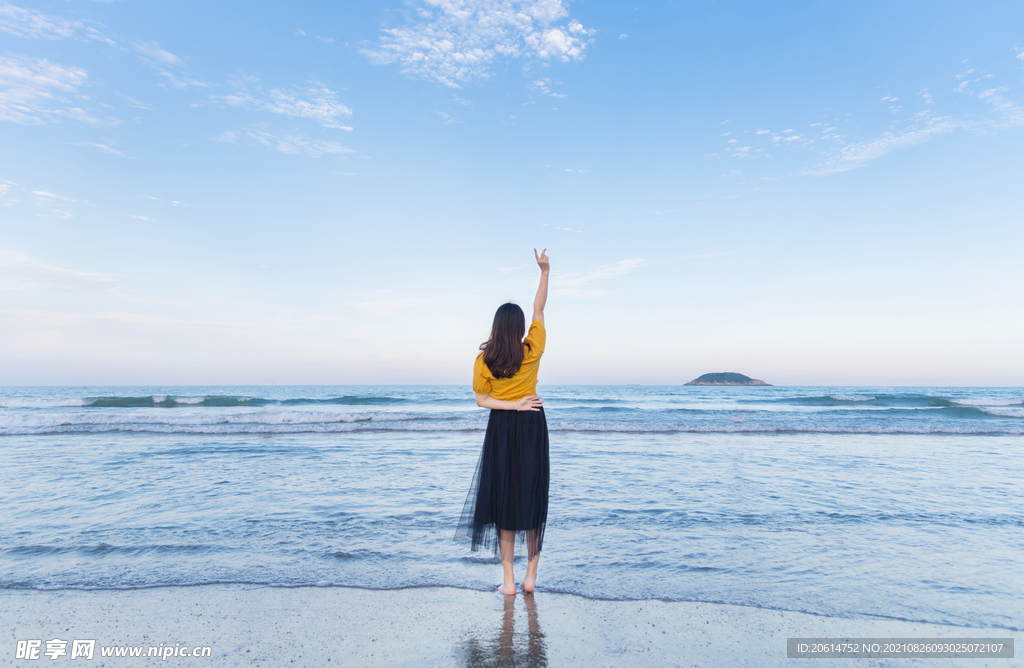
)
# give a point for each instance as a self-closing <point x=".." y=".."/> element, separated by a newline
<point x="888" y="400"/>
<point x="209" y="401"/>
<point x="37" y="551"/>
<point x="115" y="420"/>
<point x="230" y="410"/>
<point x="988" y="402"/>
<point x="424" y="424"/>
<point x="161" y="401"/>
<point x="227" y="401"/>
<point x="42" y="403"/>
<point x="1005" y="412"/>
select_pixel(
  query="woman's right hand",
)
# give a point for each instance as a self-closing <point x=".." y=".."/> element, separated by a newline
<point x="529" y="403"/>
<point x="542" y="260"/>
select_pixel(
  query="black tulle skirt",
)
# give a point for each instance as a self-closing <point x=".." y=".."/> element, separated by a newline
<point x="510" y="487"/>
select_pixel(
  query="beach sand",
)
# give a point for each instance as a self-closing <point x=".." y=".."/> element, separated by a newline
<point x="249" y="625"/>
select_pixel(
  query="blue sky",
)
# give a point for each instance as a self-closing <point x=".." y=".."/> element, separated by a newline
<point x="809" y="193"/>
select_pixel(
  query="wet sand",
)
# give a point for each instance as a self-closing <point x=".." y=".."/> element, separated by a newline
<point x="248" y="625"/>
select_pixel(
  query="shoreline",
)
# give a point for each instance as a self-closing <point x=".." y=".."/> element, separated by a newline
<point x="267" y="625"/>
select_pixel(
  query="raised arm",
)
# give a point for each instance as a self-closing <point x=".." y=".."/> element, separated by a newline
<point x="542" y="289"/>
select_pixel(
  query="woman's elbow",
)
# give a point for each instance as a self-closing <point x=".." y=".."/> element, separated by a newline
<point x="480" y="398"/>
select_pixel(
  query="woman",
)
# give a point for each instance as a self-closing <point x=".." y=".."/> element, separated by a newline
<point x="509" y="494"/>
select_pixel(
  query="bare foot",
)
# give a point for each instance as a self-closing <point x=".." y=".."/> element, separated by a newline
<point x="528" y="585"/>
<point x="508" y="590"/>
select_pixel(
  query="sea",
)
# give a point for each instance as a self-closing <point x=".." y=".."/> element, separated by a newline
<point x="902" y="503"/>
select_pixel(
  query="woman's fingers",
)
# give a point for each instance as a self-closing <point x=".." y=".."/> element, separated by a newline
<point x="531" y="403"/>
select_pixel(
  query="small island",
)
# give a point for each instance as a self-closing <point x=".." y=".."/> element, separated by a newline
<point x="726" y="378"/>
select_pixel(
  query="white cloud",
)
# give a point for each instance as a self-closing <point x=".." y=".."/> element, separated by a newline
<point x="586" y="283"/>
<point x="448" y="118"/>
<point x="318" y="102"/>
<point x="456" y="41"/>
<point x="315" y="35"/>
<point x="51" y="196"/>
<point x="924" y="126"/>
<point x="543" y="85"/>
<point x="21" y="272"/>
<point x="31" y="24"/>
<point x="146" y="219"/>
<point x="299" y="145"/>
<point x="152" y="52"/>
<point x="1011" y="113"/>
<point x="163" y="201"/>
<point x="889" y="98"/>
<point x="163" y="61"/>
<point x="46" y="199"/>
<point x="623" y="36"/>
<point x="227" y="136"/>
<point x="132" y="102"/>
<point x="181" y="82"/>
<point x="103" y="147"/>
<point x="30" y="91"/>
<point x="763" y="132"/>
<point x="921" y="128"/>
<point x="157" y="199"/>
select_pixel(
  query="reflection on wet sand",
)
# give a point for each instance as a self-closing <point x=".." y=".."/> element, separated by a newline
<point x="510" y="649"/>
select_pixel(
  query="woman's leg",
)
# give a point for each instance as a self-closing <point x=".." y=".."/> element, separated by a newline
<point x="507" y="541"/>
<point x="533" y="550"/>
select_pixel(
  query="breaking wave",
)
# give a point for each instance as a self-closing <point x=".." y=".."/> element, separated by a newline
<point x="569" y="409"/>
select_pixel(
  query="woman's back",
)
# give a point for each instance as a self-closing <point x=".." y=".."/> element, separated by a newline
<point x="524" y="382"/>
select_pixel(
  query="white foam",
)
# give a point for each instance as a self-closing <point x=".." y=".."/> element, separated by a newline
<point x="1005" y="412"/>
<point x="189" y="400"/>
<point x="843" y="397"/>
<point x="288" y="422"/>
<point x="41" y="403"/>
<point x="211" y="422"/>
<point x="988" y="402"/>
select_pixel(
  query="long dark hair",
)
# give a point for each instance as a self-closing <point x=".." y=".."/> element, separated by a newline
<point x="503" y="352"/>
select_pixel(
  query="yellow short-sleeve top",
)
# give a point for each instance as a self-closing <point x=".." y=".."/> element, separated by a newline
<point x="524" y="382"/>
